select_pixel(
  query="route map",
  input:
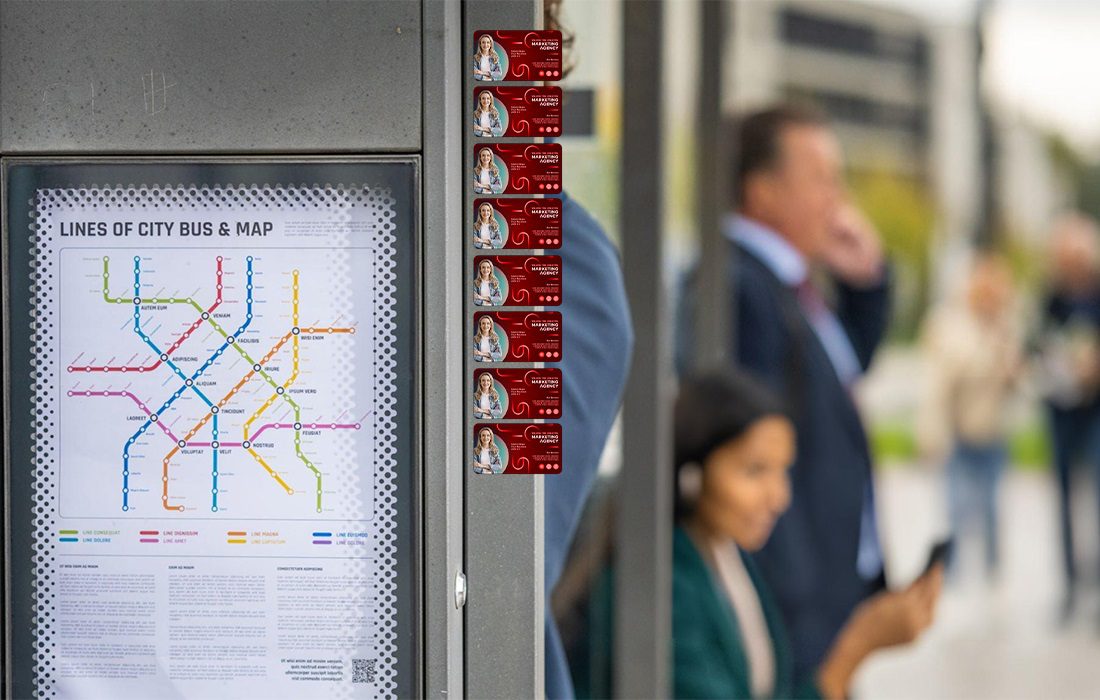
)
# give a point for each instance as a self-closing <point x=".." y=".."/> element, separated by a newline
<point x="200" y="368"/>
<point x="222" y="380"/>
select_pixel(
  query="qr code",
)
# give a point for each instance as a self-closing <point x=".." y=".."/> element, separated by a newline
<point x="363" y="670"/>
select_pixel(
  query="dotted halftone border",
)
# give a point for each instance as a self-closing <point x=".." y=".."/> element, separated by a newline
<point x="381" y="209"/>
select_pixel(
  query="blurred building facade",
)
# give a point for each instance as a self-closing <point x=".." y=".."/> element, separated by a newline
<point x="867" y="66"/>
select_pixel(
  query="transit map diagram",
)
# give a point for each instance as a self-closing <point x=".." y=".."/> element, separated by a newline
<point x="203" y="383"/>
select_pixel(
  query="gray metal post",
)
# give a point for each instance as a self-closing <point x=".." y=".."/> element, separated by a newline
<point x="643" y="552"/>
<point x="711" y="322"/>
<point x="444" y="386"/>
<point x="505" y="623"/>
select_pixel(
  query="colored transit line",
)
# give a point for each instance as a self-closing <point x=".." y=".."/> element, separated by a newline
<point x="257" y="368"/>
<point x="229" y="340"/>
<point x="188" y="382"/>
<point x="280" y="391"/>
<point x="179" y="341"/>
<point x="142" y="406"/>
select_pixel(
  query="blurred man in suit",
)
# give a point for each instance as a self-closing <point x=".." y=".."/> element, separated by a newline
<point x="792" y="222"/>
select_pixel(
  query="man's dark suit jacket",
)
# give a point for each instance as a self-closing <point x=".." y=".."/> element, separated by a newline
<point x="810" y="560"/>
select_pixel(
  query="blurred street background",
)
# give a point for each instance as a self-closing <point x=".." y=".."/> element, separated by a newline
<point x="965" y="123"/>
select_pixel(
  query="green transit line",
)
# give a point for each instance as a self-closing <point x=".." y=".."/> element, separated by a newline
<point x="68" y="532"/>
<point x="301" y="455"/>
<point x="130" y="300"/>
<point x="246" y="356"/>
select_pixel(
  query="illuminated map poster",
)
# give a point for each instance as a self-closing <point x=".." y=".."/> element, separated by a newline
<point x="220" y="367"/>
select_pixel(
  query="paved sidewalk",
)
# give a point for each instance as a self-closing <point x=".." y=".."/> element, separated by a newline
<point x="990" y="641"/>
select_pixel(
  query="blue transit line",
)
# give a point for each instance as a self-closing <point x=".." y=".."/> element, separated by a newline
<point x="214" y="449"/>
<point x="188" y="382"/>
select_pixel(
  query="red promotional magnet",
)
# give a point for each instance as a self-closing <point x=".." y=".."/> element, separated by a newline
<point x="508" y="224"/>
<point x="517" y="336"/>
<point x="516" y="448"/>
<point x="516" y="111"/>
<point x="517" y="393"/>
<point x="517" y="168"/>
<point x="516" y="280"/>
<point x="520" y="54"/>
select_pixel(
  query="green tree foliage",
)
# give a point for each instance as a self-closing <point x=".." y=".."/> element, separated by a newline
<point x="902" y="209"/>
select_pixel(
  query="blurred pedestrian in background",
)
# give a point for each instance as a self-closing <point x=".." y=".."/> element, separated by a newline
<point x="975" y="354"/>
<point x="1068" y="366"/>
<point x="793" y="219"/>
<point x="734" y="445"/>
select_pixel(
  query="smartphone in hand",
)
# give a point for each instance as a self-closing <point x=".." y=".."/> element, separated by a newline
<point x="940" y="551"/>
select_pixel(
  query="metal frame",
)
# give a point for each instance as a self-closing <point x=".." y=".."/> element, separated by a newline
<point x="503" y="618"/>
<point x="421" y="343"/>
<point x="505" y="615"/>
<point x="713" y="308"/>
<point x="643" y="580"/>
<point x="444" y="345"/>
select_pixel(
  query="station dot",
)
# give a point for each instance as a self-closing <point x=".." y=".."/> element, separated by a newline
<point x="246" y="444"/>
<point x="231" y="339"/>
<point x="249" y="258"/>
<point x="164" y="358"/>
<point x="358" y="426"/>
<point x="256" y="367"/>
<point x="154" y="418"/>
<point x="219" y="258"/>
<point x="205" y="315"/>
<point x="295" y="330"/>
<point x="137" y="300"/>
<point x="213" y="409"/>
<point x="189" y="382"/>
<point x="297" y="426"/>
<point x="279" y="390"/>
<point x="215" y="444"/>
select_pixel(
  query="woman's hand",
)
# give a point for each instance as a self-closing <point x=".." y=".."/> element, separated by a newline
<point x="887" y="619"/>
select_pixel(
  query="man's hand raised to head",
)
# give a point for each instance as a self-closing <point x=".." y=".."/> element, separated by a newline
<point x="854" y="250"/>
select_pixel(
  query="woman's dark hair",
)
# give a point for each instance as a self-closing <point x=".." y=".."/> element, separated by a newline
<point x="711" y="409"/>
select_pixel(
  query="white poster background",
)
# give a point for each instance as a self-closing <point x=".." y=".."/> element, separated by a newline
<point x="220" y="363"/>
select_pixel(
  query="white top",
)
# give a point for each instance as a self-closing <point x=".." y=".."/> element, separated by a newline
<point x="485" y="290"/>
<point x="484" y="347"/>
<point x="753" y="626"/>
<point x="485" y="402"/>
<point x="485" y="233"/>
<point x="484" y="177"/>
<point x="486" y="64"/>
<point x="485" y="123"/>
<point x="484" y="457"/>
